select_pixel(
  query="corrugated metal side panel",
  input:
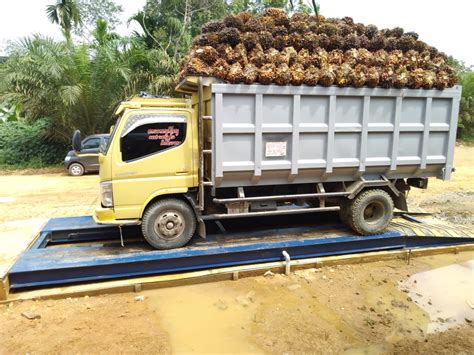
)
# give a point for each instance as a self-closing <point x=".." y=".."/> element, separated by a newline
<point x="260" y="129"/>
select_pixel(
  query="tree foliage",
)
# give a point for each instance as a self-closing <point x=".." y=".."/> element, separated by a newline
<point x="27" y="145"/>
<point x="66" y="14"/>
<point x="93" y="10"/>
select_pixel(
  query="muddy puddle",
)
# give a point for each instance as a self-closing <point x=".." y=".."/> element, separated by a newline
<point x="211" y="319"/>
<point x="446" y="294"/>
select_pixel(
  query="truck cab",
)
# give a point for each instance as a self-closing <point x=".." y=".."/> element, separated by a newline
<point x="152" y="151"/>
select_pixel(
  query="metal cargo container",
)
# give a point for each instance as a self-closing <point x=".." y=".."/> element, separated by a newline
<point x="267" y="135"/>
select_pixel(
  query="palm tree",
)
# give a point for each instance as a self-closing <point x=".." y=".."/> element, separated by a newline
<point x="66" y="14"/>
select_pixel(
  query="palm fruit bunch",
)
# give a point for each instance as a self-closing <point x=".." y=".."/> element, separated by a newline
<point x="274" y="48"/>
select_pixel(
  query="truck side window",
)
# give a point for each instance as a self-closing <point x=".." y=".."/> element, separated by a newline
<point x="141" y="140"/>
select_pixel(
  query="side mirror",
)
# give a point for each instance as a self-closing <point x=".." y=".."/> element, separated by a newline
<point x="76" y="141"/>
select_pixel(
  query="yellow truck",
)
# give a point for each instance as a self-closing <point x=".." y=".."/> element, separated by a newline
<point x="231" y="151"/>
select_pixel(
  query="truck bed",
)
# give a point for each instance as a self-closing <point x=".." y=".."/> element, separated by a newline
<point x="269" y="134"/>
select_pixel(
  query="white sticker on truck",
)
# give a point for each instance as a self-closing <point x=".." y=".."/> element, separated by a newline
<point x="275" y="149"/>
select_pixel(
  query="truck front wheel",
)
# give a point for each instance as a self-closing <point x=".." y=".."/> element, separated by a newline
<point x="168" y="224"/>
<point x="370" y="212"/>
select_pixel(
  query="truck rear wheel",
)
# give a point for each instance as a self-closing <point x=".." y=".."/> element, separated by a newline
<point x="370" y="212"/>
<point x="168" y="224"/>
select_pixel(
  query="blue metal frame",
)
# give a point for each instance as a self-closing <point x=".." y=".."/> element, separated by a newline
<point x="74" y="250"/>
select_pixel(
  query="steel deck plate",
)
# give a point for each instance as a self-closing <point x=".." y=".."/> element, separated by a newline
<point x="73" y="250"/>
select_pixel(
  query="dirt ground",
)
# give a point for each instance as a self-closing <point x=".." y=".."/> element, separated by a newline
<point x="352" y="309"/>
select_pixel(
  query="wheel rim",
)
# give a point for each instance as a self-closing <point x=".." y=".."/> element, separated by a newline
<point x="76" y="170"/>
<point x="170" y="225"/>
<point x="374" y="212"/>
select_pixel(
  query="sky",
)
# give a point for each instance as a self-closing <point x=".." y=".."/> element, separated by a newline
<point x="446" y="25"/>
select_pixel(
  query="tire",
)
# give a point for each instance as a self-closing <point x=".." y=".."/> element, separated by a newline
<point x="168" y="224"/>
<point x="370" y="212"/>
<point x="76" y="169"/>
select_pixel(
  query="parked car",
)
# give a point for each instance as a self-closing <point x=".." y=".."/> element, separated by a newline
<point x="88" y="159"/>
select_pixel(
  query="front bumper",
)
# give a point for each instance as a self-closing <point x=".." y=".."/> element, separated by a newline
<point x="103" y="215"/>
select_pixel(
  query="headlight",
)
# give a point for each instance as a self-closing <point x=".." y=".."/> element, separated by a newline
<point x="106" y="194"/>
<point x="68" y="157"/>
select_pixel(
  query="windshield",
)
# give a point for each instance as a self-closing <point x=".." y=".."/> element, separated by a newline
<point x="104" y="148"/>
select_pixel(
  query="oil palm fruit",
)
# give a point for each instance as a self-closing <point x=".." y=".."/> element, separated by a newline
<point x="391" y="43"/>
<point x="394" y="58"/>
<point x="295" y="40"/>
<point x="351" y="41"/>
<point x="250" y="40"/>
<point x="402" y="76"/>
<point x="351" y="56"/>
<point x="250" y="74"/>
<point x="254" y="25"/>
<point x="365" y="56"/>
<point x="300" y="16"/>
<point x="281" y="42"/>
<point x="327" y="76"/>
<point x="396" y="32"/>
<point x="266" y="73"/>
<point x="379" y="58"/>
<point x="229" y="35"/>
<point x="196" y="66"/>
<point x="364" y="42"/>
<point x="235" y="74"/>
<point x="241" y="54"/>
<point x="416" y="78"/>
<point x="279" y="31"/>
<point x="282" y="75"/>
<point x="311" y="76"/>
<point x="414" y="35"/>
<point x="272" y="56"/>
<point x="411" y="59"/>
<point x="358" y="76"/>
<point x="378" y="42"/>
<point x="271" y="47"/>
<point x="336" y="57"/>
<point x="304" y="58"/>
<point x="297" y="74"/>
<point x="387" y="77"/>
<point x="207" y="53"/>
<point x="405" y="43"/>
<point x="213" y="26"/>
<point x="345" y="30"/>
<point x="309" y="41"/>
<point x="207" y="39"/>
<point x="234" y="21"/>
<point x="373" y="77"/>
<point x="323" y="40"/>
<point x="336" y="42"/>
<point x="442" y="80"/>
<point x="244" y="16"/>
<point x="298" y="26"/>
<point x="322" y="56"/>
<point x="257" y="56"/>
<point x="279" y="16"/>
<point x="370" y="31"/>
<point x="429" y="79"/>
<point x="343" y="74"/>
<point x="220" y="69"/>
<point x="266" y="39"/>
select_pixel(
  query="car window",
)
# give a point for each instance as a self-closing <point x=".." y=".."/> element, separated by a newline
<point x="91" y="143"/>
<point x="150" y="134"/>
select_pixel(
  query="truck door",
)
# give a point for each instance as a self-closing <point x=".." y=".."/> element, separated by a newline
<point x="154" y="157"/>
